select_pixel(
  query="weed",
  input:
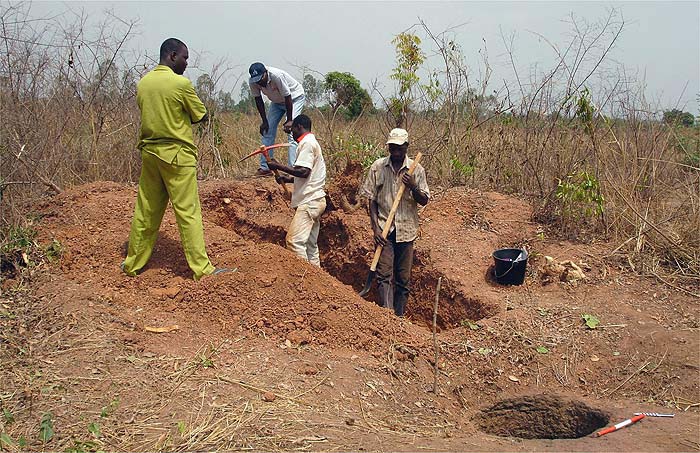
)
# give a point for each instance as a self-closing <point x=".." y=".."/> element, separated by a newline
<point x="15" y="248"/>
<point x="590" y="320"/>
<point x="580" y="199"/>
<point x="54" y="250"/>
<point x="359" y="149"/>
<point x="46" y="427"/>
<point x="6" y="441"/>
<point x="8" y="417"/>
<point x="464" y="169"/>
<point x="468" y="323"/>
<point x="80" y="446"/>
<point x="109" y="409"/>
<point x="94" y="429"/>
<point x="206" y="362"/>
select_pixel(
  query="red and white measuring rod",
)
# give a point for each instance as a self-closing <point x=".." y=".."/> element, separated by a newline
<point x="620" y="425"/>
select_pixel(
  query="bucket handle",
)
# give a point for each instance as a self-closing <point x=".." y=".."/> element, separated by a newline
<point x="506" y="272"/>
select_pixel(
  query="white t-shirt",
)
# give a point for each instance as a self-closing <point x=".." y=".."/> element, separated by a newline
<point x="279" y="86"/>
<point x="309" y="155"/>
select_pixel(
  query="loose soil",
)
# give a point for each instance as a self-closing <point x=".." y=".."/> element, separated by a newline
<point x="281" y="355"/>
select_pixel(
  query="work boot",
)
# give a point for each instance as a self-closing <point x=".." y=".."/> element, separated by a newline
<point x="263" y="172"/>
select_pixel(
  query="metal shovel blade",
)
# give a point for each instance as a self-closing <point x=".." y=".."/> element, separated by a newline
<point x="368" y="284"/>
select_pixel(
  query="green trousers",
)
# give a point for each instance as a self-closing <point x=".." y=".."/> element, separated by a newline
<point x="159" y="182"/>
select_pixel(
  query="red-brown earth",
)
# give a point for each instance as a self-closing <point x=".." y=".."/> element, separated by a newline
<point x="281" y="355"/>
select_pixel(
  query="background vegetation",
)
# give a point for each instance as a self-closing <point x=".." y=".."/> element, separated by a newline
<point x="578" y="139"/>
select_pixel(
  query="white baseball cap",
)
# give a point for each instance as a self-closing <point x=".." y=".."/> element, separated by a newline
<point x="397" y="136"/>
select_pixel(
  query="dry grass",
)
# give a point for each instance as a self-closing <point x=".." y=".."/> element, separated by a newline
<point x="69" y="117"/>
<point x="106" y="393"/>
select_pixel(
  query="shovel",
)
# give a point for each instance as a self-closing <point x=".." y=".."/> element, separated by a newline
<point x="387" y="227"/>
<point x="264" y="151"/>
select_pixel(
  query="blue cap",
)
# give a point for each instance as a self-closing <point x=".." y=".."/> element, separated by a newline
<point x="256" y="71"/>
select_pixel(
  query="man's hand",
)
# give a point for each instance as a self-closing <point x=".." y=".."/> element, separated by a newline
<point x="264" y="127"/>
<point x="272" y="164"/>
<point x="288" y="126"/>
<point x="284" y="179"/>
<point x="409" y="180"/>
<point x="378" y="239"/>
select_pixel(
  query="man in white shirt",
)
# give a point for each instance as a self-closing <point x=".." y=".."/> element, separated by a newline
<point x="308" y="198"/>
<point x="286" y="97"/>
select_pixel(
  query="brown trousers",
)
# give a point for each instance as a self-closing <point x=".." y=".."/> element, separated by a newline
<point x="394" y="274"/>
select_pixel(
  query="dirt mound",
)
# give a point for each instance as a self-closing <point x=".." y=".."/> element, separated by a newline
<point x="457" y="237"/>
<point x="541" y="417"/>
<point x="343" y="191"/>
<point x="272" y="292"/>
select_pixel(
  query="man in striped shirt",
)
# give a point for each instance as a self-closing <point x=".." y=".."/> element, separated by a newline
<point x="381" y="186"/>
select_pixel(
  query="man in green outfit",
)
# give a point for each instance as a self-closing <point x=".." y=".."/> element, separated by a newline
<point x="169" y="106"/>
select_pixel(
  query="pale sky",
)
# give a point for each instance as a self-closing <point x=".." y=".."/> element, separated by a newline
<point x="660" y="43"/>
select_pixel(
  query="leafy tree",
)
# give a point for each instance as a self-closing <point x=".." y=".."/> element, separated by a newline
<point x="676" y="116"/>
<point x="225" y="101"/>
<point x="409" y="57"/>
<point x="205" y="90"/>
<point x="345" y="92"/>
<point x="313" y="89"/>
<point x="105" y="83"/>
<point x="245" y="105"/>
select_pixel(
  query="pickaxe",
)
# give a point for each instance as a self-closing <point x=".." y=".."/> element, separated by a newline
<point x="264" y="151"/>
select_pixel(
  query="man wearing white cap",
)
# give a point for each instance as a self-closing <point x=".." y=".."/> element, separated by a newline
<point x="383" y="181"/>
<point x="286" y="97"/>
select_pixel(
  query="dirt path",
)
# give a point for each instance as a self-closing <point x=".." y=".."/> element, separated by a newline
<point x="283" y="356"/>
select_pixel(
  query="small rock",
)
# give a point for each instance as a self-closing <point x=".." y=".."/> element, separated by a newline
<point x="299" y="337"/>
<point x="226" y="200"/>
<point x="318" y="323"/>
<point x="269" y="397"/>
<point x="513" y="378"/>
<point x="308" y="369"/>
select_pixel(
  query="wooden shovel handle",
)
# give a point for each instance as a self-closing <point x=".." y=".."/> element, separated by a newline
<point x="392" y="213"/>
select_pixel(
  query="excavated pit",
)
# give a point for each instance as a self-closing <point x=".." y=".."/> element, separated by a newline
<point x="541" y="417"/>
<point x="259" y="213"/>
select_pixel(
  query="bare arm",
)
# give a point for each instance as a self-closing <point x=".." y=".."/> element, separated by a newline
<point x="261" y="108"/>
<point x="374" y="219"/>
<point x="289" y="107"/>
<point x="296" y="171"/>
